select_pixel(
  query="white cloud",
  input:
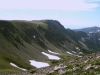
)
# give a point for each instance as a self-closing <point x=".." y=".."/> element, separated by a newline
<point x="48" y="4"/>
<point x="68" y="12"/>
<point x="92" y="0"/>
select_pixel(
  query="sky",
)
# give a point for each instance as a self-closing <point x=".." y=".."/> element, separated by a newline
<point x="72" y="14"/>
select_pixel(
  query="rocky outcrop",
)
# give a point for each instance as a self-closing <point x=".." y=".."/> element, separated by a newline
<point x="85" y="64"/>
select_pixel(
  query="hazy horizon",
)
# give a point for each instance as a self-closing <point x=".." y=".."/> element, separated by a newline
<point x="73" y="14"/>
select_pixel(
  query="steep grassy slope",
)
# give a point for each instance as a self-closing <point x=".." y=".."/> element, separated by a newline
<point x="21" y="41"/>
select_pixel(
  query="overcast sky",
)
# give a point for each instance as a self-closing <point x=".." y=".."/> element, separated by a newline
<point x="71" y="13"/>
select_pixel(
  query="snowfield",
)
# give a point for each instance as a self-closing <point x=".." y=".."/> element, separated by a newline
<point x="52" y="52"/>
<point x="38" y="64"/>
<point x="51" y="56"/>
<point x="12" y="64"/>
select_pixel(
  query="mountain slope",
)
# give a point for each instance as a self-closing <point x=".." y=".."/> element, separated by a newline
<point x="92" y="40"/>
<point x="21" y="41"/>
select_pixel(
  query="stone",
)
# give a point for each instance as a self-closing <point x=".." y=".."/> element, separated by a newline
<point x="87" y="67"/>
<point x="56" y="68"/>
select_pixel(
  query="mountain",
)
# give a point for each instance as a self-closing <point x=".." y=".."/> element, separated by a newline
<point x="23" y="43"/>
<point x="90" y="29"/>
<point x="93" y="37"/>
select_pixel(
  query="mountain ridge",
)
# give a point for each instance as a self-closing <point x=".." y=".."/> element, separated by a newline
<point x="26" y="40"/>
<point x="93" y="29"/>
<point x="22" y="41"/>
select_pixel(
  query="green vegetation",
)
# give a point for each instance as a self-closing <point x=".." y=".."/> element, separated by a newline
<point x="21" y="41"/>
<point x="18" y="46"/>
<point x="65" y="58"/>
<point x="40" y="23"/>
<point x="91" y="67"/>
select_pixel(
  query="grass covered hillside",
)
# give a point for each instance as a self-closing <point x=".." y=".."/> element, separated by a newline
<point x="21" y="41"/>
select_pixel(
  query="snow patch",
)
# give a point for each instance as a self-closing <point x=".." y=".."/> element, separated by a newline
<point x="38" y="64"/>
<point x="73" y="51"/>
<point x="34" y="36"/>
<point x="17" y="66"/>
<point x="52" y="52"/>
<point x="73" y="54"/>
<point x="80" y="53"/>
<point x="98" y="30"/>
<point x="90" y="32"/>
<point x="77" y="48"/>
<point x="51" y="56"/>
<point x="70" y="53"/>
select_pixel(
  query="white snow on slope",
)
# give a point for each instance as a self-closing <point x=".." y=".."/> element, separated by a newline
<point x="80" y="53"/>
<point x="70" y="53"/>
<point x="52" y="52"/>
<point x="38" y="64"/>
<point x="51" y="56"/>
<point x="17" y="66"/>
<point x="77" y="48"/>
<point x="73" y="51"/>
<point x="90" y="32"/>
<point x="73" y="54"/>
<point x="34" y="36"/>
<point x="98" y="30"/>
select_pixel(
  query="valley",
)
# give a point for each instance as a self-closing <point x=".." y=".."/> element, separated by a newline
<point x="45" y="47"/>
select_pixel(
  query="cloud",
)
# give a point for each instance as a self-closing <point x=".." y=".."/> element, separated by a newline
<point x="72" y="5"/>
<point x="92" y="0"/>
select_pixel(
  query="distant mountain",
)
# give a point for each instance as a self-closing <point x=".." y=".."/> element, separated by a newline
<point x="93" y="37"/>
<point x="90" y="29"/>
